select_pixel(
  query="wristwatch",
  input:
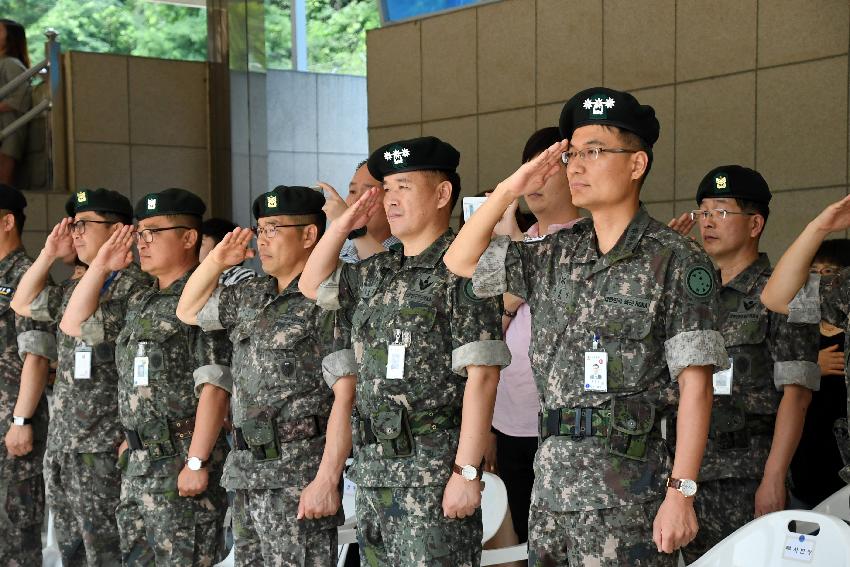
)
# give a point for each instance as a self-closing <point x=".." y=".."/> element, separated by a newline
<point x="469" y="472"/>
<point x="195" y="463"/>
<point x="686" y="486"/>
<point x="18" y="420"/>
<point x="357" y="233"/>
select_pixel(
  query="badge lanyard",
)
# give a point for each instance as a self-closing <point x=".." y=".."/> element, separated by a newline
<point x="140" y="366"/>
<point x="396" y="354"/>
<point x="596" y="367"/>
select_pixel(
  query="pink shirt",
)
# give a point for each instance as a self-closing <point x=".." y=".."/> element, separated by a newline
<point x="517" y="403"/>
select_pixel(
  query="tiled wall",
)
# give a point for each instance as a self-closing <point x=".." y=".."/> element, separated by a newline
<point x="763" y="83"/>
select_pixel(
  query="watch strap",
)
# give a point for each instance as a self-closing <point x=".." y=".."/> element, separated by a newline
<point x="457" y="469"/>
<point x="18" y="420"/>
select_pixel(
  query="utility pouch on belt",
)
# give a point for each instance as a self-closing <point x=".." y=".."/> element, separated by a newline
<point x="392" y="430"/>
<point x="155" y="436"/>
<point x="632" y="422"/>
<point x="729" y="429"/>
<point x="260" y="434"/>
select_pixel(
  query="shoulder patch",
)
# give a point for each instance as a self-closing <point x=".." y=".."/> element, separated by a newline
<point x="468" y="293"/>
<point x="699" y="282"/>
<point x="6" y="291"/>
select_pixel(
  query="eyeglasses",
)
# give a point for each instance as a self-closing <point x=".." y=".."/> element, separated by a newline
<point x="592" y="153"/>
<point x="79" y="227"/>
<point x="270" y="230"/>
<point x="824" y="270"/>
<point x="701" y="214"/>
<point x="147" y="234"/>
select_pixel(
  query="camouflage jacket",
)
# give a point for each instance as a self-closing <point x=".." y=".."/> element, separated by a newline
<point x="767" y="353"/>
<point x="85" y="412"/>
<point x="444" y="326"/>
<point x="181" y="359"/>
<point x="19" y="336"/>
<point x="652" y="301"/>
<point x="279" y="342"/>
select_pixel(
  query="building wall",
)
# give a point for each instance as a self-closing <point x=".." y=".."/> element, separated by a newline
<point x="763" y="83"/>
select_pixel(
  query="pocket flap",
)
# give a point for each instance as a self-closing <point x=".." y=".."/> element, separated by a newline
<point x="387" y="425"/>
<point x="632" y="417"/>
<point x="258" y="430"/>
<point x="727" y="419"/>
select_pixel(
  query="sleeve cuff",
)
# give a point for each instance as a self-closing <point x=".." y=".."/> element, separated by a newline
<point x="695" y="348"/>
<point x="796" y="372"/>
<point x="40" y="307"/>
<point x="805" y="307"/>
<point x="490" y="278"/>
<point x="215" y="374"/>
<point x="208" y="317"/>
<point x="40" y="343"/>
<point x="327" y="296"/>
<point x="480" y="353"/>
<point x="338" y="364"/>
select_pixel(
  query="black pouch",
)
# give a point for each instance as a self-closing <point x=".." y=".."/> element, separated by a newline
<point x="392" y="429"/>
<point x="260" y="434"/>
<point x="631" y="424"/>
<point x="728" y="429"/>
<point x="156" y="438"/>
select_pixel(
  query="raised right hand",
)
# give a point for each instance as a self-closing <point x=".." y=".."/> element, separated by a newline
<point x="358" y="214"/>
<point x="117" y="252"/>
<point x="533" y="174"/>
<point x="233" y="248"/>
<point x="835" y="217"/>
<point x="60" y="241"/>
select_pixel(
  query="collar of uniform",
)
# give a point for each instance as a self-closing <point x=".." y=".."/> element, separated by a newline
<point x="10" y="260"/>
<point x="271" y="286"/>
<point x="746" y="280"/>
<point x="432" y="255"/>
<point x="175" y="288"/>
<point x="623" y="248"/>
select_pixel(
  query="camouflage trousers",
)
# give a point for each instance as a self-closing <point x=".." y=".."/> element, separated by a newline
<point x="613" y="537"/>
<point x="82" y="492"/>
<point x="266" y="531"/>
<point x="159" y="527"/>
<point x="722" y="506"/>
<point x="406" y="527"/>
<point x="21" y="520"/>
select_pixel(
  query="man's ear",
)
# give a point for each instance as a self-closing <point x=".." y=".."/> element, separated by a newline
<point x="190" y="238"/>
<point x="640" y="161"/>
<point x="444" y="194"/>
<point x="309" y="235"/>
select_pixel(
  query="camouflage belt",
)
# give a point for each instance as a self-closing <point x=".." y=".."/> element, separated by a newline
<point x="574" y="422"/>
<point x="420" y="422"/>
<point x="161" y="445"/>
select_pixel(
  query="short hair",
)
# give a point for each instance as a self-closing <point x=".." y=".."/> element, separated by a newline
<point x="217" y="228"/>
<point x="835" y="251"/>
<point x="539" y="141"/>
<point x="319" y="219"/>
<point x="360" y="164"/>
<point x="438" y="176"/>
<point x="748" y="206"/>
<point x="632" y="141"/>
<point x="114" y="217"/>
<point x="193" y="222"/>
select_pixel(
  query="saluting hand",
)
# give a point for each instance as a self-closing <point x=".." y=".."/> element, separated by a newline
<point x="682" y="224"/>
<point x="117" y="252"/>
<point x="60" y="241"/>
<point x="834" y="217"/>
<point x="233" y="248"/>
<point x="357" y="215"/>
<point x="533" y="174"/>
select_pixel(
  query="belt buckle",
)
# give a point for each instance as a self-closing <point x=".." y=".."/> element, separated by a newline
<point x="578" y="425"/>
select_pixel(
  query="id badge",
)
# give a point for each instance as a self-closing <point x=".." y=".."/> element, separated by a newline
<point x="140" y="367"/>
<point x="722" y="380"/>
<point x="395" y="358"/>
<point x="82" y="363"/>
<point x="596" y="371"/>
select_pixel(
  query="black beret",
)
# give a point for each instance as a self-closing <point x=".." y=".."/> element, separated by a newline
<point x="172" y="201"/>
<point x="419" y="154"/>
<point x="99" y="201"/>
<point x="599" y="105"/>
<point x="11" y="199"/>
<point x="283" y="200"/>
<point x="734" y="181"/>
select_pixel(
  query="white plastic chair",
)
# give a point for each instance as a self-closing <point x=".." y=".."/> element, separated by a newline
<point x="51" y="556"/>
<point x="836" y="505"/>
<point x="768" y="542"/>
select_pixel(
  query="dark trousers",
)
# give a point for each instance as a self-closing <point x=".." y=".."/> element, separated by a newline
<point x="515" y="459"/>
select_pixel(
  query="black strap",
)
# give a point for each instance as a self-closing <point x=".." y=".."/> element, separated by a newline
<point x="134" y="442"/>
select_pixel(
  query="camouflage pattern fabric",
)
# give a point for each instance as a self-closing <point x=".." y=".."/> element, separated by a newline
<point x="406" y="526"/>
<point x="22" y="517"/>
<point x="267" y="534"/>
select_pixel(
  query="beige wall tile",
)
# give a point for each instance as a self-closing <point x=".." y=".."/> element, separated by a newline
<point x="462" y="133"/>
<point x="394" y="78"/>
<point x="449" y="85"/>
<point x="380" y="136"/>
<point x="569" y="48"/>
<point x="802" y="124"/>
<point x="99" y="99"/>
<point x="639" y="43"/>
<point x="789" y="30"/>
<point x="502" y="136"/>
<point x="714" y="38"/>
<point x="659" y="184"/>
<point x="56" y="208"/>
<point x="157" y="168"/>
<point x="715" y="125"/>
<point x="506" y="55"/>
<point x="790" y="211"/>
<point x="102" y="165"/>
<point x="36" y="211"/>
<point x="549" y="114"/>
<point x="168" y="102"/>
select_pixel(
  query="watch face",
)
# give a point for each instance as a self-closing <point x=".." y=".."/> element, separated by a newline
<point x="194" y="463"/>
<point x="688" y="487"/>
<point x="469" y="472"/>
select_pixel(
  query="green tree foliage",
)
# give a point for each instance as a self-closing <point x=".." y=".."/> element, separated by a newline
<point x="336" y="29"/>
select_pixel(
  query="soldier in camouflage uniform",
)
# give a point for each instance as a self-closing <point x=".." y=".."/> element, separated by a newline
<point x="427" y="349"/>
<point x="173" y="389"/>
<point x="81" y="477"/>
<point x="760" y="401"/>
<point x="627" y="294"/>
<point x="810" y="298"/>
<point x="281" y="405"/>
<point x="26" y="348"/>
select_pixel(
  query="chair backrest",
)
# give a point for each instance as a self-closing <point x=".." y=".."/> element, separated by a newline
<point x="494" y="505"/>
<point x="836" y="505"/>
<point x="770" y="541"/>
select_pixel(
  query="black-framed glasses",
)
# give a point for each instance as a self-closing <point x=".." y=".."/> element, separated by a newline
<point x="147" y="234"/>
<point x="698" y="214"/>
<point x="270" y="230"/>
<point x="79" y="227"/>
<point x="592" y="153"/>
